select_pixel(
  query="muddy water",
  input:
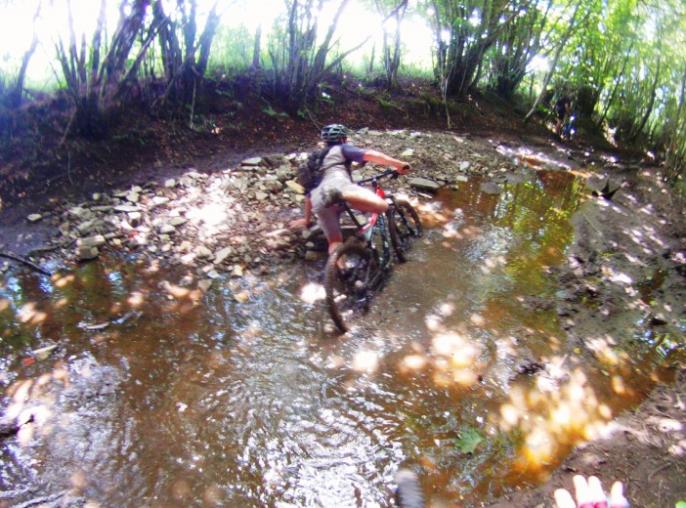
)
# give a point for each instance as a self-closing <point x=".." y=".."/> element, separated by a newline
<point x="160" y="395"/>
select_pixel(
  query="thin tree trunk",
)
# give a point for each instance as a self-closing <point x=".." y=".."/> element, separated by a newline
<point x="615" y="88"/>
<point x="558" y="52"/>
<point x="651" y="104"/>
<point x="256" y="48"/>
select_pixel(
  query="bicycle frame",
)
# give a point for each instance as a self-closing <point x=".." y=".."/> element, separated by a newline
<point x="375" y="221"/>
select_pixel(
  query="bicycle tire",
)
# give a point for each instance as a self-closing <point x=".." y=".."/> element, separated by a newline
<point x="343" y="291"/>
<point x="408" y="493"/>
<point x="404" y="226"/>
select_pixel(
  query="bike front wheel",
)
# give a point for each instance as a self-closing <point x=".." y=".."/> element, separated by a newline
<point x="404" y="226"/>
<point x="348" y="279"/>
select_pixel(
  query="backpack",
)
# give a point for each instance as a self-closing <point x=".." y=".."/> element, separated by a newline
<point x="310" y="172"/>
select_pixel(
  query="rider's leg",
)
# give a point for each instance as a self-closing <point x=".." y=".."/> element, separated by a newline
<point x="364" y="200"/>
<point x="329" y="221"/>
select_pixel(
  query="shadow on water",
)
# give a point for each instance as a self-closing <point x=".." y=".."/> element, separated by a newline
<point x="159" y="394"/>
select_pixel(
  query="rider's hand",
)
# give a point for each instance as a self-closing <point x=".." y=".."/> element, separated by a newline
<point x="589" y="494"/>
<point x="403" y="168"/>
<point x="298" y="224"/>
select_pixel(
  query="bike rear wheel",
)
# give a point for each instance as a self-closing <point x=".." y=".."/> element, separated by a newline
<point x="404" y="226"/>
<point x="348" y="279"/>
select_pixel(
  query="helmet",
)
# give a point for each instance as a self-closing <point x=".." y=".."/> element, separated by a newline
<point x="334" y="133"/>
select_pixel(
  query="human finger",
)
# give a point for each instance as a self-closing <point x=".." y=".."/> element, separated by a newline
<point x="583" y="494"/>
<point x="563" y="499"/>
<point x="617" y="499"/>
<point x="595" y="491"/>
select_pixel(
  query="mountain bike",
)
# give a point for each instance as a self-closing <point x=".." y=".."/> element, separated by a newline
<point x="360" y="265"/>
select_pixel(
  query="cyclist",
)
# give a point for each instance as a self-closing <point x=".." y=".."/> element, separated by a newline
<point x="563" y="108"/>
<point x="337" y="184"/>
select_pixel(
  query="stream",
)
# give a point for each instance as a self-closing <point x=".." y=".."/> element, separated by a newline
<point x="160" y="395"/>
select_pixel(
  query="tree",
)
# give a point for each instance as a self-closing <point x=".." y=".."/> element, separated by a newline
<point x="93" y="81"/>
<point x="517" y="46"/>
<point x="560" y="46"/>
<point x="391" y="38"/>
<point x="184" y="53"/>
<point x="464" y="31"/>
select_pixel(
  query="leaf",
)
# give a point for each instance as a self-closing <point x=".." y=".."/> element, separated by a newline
<point x="680" y="504"/>
<point x="468" y="440"/>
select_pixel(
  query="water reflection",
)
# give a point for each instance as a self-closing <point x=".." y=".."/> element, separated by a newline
<point x="164" y="393"/>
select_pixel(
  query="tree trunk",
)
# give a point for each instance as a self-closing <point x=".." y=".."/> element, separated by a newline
<point x="615" y="88"/>
<point x="651" y="104"/>
<point x="256" y="49"/>
<point x="558" y="51"/>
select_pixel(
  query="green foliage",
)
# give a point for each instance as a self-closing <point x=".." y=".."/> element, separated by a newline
<point x="469" y="439"/>
<point x="680" y="504"/>
<point x="232" y="50"/>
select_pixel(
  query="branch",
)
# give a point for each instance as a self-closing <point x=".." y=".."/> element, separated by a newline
<point x="25" y="262"/>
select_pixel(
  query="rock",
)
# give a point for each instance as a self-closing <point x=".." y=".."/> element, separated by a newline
<point x="80" y="213"/>
<point x="203" y="252"/>
<point x="252" y="162"/>
<point x="44" y="352"/>
<point x="34" y="217"/>
<point x="133" y="197"/>
<point x="222" y="254"/>
<point x="159" y="201"/>
<point x="312" y="255"/>
<point x="86" y="253"/>
<point x="92" y="241"/>
<point x="86" y="227"/>
<point x="261" y="196"/>
<point x="126" y="208"/>
<point x="96" y="196"/>
<point x="461" y="178"/>
<point x="237" y="271"/>
<point x="409" y="152"/>
<point x="274" y="160"/>
<point x="178" y="221"/>
<point x="464" y="165"/>
<point x="491" y="188"/>
<point x="166" y="229"/>
<point x="284" y="173"/>
<point x="295" y="187"/>
<point x="170" y="183"/>
<point x="135" y="218"/>
<point x="273" y="186"/>
<point x="242" y="297"/>
<point x="424" y="184"/>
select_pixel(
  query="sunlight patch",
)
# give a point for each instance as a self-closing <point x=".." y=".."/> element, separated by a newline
<point x="312" y="292"/>
<point x="366" y="361"/>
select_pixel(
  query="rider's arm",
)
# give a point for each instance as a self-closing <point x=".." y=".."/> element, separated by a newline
<point x="306" y="221"/>
<point x="381" y="158"/>
<point x="308" y="211"/>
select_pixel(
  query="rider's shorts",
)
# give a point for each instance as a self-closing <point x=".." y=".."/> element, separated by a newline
<point x="335" y="182"/>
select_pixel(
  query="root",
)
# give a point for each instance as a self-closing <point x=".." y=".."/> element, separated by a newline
<point x="26" y="262"/>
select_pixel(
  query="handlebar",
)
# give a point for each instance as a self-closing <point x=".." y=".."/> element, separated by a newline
<point x="389" y="172"/>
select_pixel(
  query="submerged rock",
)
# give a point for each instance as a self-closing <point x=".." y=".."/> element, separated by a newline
<point x="424" y="184"/>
